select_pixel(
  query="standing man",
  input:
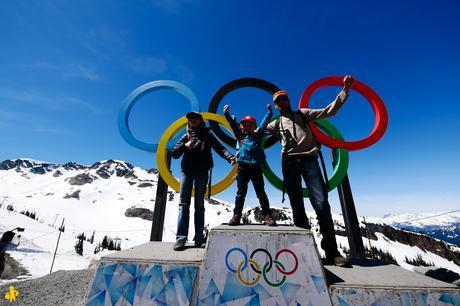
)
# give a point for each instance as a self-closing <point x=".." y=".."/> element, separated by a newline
<point x="300" y="159"/>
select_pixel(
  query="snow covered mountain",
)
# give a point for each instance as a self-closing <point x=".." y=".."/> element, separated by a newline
<point x="442" y="225"/>
<point x="113" y="201"/>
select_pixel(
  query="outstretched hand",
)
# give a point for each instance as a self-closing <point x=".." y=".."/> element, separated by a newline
<point x="226" y="109"/>
<point x="348" y="82"/>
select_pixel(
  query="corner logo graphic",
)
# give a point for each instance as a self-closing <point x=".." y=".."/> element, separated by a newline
<point x="12" y="294"/>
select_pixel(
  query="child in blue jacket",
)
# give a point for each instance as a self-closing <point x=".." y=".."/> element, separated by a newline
<point x="250" y="160"/>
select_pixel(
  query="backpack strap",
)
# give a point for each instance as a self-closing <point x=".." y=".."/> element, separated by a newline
<point x="321" y="157"/>
<point x="279" y="126"/>
<point x="209" y="183"/>
<point x="320" y="153"/>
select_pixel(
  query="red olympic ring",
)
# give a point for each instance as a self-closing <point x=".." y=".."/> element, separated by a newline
<point x="295" y="258"/>
<point x="381" y="114"/>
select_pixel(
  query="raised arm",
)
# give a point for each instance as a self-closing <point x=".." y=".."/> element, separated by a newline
<point x="220" y="149"/>
<point x="263" y="124"/>
<point x="233" y="124"/>
<point x="333" y="107"/>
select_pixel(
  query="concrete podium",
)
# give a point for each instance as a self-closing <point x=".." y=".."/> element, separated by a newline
<point x="261" y="265"/>
<point x="149" y="274"/>
<point x="255" y="265"/>
<point x="367" y="283"/>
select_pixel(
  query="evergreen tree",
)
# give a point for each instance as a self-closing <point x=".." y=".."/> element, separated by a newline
<point x="97" y="249"/>
<point x="105" y="242"/>
<point x="79" y="247"/>
<point x="91" y="239"/>
<point x="110" y="247"/>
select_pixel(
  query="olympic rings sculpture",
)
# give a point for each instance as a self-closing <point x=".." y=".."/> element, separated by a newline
<point x="323" y="130"/>
<point x="381" y="114"/>
<point x="135" y="96"/>
<point x="256" y="267"/>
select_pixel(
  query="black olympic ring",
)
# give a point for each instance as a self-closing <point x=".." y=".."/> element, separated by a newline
<point x="270" y="262"/>
<point x="225" y="90"/>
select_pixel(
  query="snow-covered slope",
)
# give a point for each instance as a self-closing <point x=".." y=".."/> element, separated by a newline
<point x="91" y="199"/>
<point x="96" y="198"/>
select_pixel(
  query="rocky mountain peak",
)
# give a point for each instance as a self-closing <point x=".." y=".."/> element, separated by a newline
<point x="31" y="165"/>
<point x="107" y="168"/>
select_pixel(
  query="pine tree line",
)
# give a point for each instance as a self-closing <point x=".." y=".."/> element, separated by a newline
<point x="108" y="243"/>
<point x="418" y="261"/>
<point x="29" y="214"/>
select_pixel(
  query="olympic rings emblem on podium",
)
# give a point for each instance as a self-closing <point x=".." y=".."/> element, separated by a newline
<point x="256" y="267"/>
<point x="323" y="130"/>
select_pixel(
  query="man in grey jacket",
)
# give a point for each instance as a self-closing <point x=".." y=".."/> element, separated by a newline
<point x="300" y="159"/>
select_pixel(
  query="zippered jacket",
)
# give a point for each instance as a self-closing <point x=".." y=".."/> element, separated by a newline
<point x="199" y="158"/>
<point x="250" y="151"/>
<point x="299" y="120"/>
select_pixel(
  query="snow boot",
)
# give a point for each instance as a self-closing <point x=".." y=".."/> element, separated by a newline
<point x="235" y="220"/>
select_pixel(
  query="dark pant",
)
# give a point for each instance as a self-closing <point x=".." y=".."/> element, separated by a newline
<point x="199" y="179"/>
<point x="296" y="168"/>
<point x="254" y="173"/>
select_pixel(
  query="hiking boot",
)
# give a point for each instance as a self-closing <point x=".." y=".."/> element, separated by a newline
<point x="235" y="220"/>
<point x="200" y="244"/>
<point x="179" y="245"/>
<point x="341" y="261"/>
<point x="269" y="220"/>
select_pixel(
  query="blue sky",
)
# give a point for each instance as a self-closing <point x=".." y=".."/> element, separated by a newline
<point x="67" y="66"/>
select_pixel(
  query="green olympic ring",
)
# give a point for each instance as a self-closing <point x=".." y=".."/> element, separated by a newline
<point x="340" y="167"/>
<point x="264" y="274"/>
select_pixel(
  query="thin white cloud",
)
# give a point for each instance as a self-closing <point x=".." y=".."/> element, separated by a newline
<point x="49" y="130"/>
<point x="53" y="103"/>
<point x="28" y="121"/>
<point x="147" y="65"/>
<point x="184" y="74"/>
<point x="66" y="69"/>
<point x="82" y="71"/>
<point x="166" y="66"/>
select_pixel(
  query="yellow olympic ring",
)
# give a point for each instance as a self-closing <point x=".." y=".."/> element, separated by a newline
<point x="170" y="132"/>
<point x="249" y="284"/>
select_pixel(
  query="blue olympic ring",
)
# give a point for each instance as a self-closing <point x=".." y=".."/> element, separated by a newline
<point x="138" y="93"/>
<point x="245" y="259"/>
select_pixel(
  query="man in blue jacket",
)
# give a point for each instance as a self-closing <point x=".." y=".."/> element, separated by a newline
<point x="250" y="158"/>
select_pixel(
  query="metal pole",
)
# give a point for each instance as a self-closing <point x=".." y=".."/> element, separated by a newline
<point x="159" y="211"/>
<point x="57" y="244"/>
<point x="350" y="217"/>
